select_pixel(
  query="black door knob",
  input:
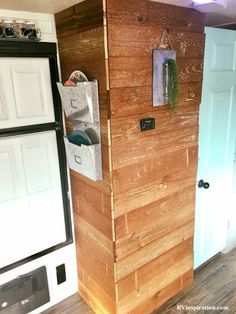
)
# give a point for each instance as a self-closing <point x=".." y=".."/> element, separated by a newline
<point x="203" y="184"/>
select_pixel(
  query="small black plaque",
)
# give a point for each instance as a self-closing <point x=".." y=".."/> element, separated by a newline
<point x="147" y="124"/>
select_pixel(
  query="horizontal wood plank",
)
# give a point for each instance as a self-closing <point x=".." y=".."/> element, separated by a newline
<point x="140" y="150"/>
<point x="79" y="18"/>
<point x="167" y="260"/>
<point x="128" y="261"/>
<point x="106" y="244"/>
<point x="129" y="101"/>
<point x="156" y="276"/>
<point x="155" y="301"/>
<point x="128" y="128"/>
<point x="149" y="223"/>
<point x="148" y="13"/>
<point x="137" y="71"/>
<point x="93" y="69"/>
<point x="190" y="70"/>
<point x="154" y="249"/>
<point x="138" y="174"/>
<point x="87" y="46"/>
<point x="160" y="188"/>
<point x="101" y="222"/>
<point x="136" y="41"/>
<point x="152" y="215"/>
<point x="103" y="186"/>
<point x="91" y="194"/>
<point x="93" y="294"/>
<point x="95" y="259"/>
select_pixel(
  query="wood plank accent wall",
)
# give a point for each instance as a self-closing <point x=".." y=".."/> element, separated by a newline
<point x="134" y="230"/>
<point x="81" y="44"/>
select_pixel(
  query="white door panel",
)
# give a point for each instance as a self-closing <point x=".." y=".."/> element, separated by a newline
<point x="8" y="175"/>
<point x="4" y="114"/>
<point x="26" y="96"/>
<point x="216" y="144"/>
<point x="31" y="205"/>
<point x="12" y="185"/>
<point x="38" y="159"/>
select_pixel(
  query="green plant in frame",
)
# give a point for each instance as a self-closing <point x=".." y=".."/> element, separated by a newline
<point x="173" y="91"/>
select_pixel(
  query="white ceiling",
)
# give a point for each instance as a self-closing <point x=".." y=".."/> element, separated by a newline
<point x="222" y="17"/>
<point x="52" y="6"/>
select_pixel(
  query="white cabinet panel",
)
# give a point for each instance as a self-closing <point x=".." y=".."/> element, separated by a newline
<point x="37" y="165"/>
<point x="3" y="105"/>
<point x="8" y="188"/>
<point x="26" y="96"/>
<point x="31" y="205"/>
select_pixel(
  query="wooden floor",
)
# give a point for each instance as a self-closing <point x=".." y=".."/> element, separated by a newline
<point x="214" y="285"/>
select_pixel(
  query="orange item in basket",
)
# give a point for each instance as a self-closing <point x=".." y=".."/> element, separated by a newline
<point x="70" y="83"/>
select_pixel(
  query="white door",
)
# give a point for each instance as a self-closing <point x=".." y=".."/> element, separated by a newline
<point x="31" y="206"/>
<point x="25" y="92"/>
<point x="216" y="144"/>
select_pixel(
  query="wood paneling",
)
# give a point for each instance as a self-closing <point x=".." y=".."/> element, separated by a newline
<point x="154" y="276"/>
<point x="82" y="47"/>
<point x="141" y="174"/>
<point x="135" y="100"/>
<point x="156" y="216"/>
<point x="164" y="295"/>
<point x="149" y="13"/>
<point x="146" y="194"/>
<point x="79" y="18"/>
<point x="154" y="172"/>
<point x="134" y="229"/>
<point x="130" y="259"/>
<point x="137" y="71"/>
<point x="144" y="39"/>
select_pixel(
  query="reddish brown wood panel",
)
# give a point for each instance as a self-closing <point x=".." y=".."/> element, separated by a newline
<point x="164" y="295"/>
<point x="142" y="174"/>
<point x="154" y="172"/>
<point x="144" y="39"/>
<point x="134" y="229"/>
<point x="144" y="225"/>
<point x="144" y="253"/>
<point x="137" y="71"/>
<point x="149" y="13"/>
<point x="81" y="42"/>
<point x="79" y="18"/>
<point x="129" y="100"/>
<point x="154" y="277"/>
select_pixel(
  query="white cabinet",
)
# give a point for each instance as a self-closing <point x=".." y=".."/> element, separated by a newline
<point x="25" y="92"/>
<point x="31" y="205"/>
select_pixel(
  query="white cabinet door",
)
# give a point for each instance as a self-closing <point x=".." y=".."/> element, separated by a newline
<point x="25" y="92"/>
<point x="31" y="206"/>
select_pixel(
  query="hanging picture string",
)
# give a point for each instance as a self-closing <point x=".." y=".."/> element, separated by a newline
<point x="165" y="35"/>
